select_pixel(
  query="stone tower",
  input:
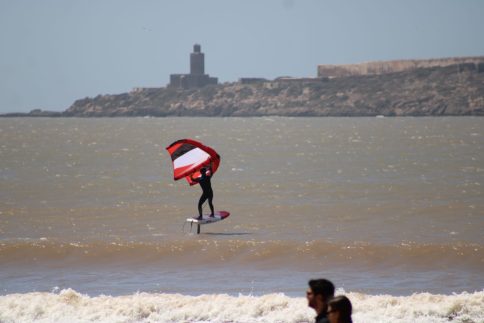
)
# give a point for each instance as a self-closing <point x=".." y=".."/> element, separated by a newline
<point x="197" y="77"/>
<point x="197" y="61"/>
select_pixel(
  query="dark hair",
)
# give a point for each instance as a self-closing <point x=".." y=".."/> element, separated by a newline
<point x="322" y="287"/>
<point x="342" y="305"/>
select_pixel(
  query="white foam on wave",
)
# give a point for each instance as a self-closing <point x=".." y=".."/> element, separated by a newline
<point x="70" y="306"/>
<point x="419" y="308"/>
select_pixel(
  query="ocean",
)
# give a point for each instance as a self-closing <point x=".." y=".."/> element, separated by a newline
<point x="92" y="224"/>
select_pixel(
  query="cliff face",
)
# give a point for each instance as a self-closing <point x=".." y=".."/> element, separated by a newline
<point x="452" y="90"/>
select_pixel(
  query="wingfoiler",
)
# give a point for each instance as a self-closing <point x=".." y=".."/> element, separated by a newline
<point x="189" y="157"/>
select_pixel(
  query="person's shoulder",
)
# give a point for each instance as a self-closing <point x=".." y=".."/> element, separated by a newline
<point x="322" y="319"/>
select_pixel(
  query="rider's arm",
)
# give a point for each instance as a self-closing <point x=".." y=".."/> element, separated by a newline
<point x="209" y="166"/>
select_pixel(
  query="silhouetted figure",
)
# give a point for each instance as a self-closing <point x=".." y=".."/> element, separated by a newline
<point x="339" y="310"/>
<point x="207" y="192"/>
<point x="319" y="293"/>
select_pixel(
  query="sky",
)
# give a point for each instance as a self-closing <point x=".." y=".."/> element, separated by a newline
<point x="54" y="52"/>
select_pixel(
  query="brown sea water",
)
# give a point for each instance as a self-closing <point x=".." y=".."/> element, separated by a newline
<point x="378" y="205"/>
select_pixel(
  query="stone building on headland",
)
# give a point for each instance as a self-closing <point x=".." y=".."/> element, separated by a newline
<point x="197" y="77"/>
<point x="252" y="80"/>
<point x="385" y="67"/>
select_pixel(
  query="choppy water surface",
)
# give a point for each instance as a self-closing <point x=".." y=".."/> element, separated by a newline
<point x="378" y="205"/>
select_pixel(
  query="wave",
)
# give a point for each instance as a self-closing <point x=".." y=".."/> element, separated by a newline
<point x="70" y="306"/>
<point x="266" y="254"/>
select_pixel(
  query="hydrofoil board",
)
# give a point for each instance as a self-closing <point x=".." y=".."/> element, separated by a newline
<point x="217" y="216"/>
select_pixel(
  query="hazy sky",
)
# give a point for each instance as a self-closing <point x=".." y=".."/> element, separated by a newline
<point x="56" y="51"/>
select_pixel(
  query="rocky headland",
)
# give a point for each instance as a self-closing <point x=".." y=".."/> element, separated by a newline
<point x="431" y="90"/>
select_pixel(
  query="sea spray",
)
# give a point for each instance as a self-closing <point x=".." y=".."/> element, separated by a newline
<point x="71" y="306"/>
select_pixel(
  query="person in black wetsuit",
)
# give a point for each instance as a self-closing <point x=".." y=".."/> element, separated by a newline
<point x="206" y="185"/>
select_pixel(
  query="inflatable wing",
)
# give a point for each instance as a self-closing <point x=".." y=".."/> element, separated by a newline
<point x="189" y="156"/>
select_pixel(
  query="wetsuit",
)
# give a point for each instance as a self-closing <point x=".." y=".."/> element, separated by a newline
<point x="207" y="194"/>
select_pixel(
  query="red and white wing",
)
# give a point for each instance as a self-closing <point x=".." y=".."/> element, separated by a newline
<point x="189" y="156"/>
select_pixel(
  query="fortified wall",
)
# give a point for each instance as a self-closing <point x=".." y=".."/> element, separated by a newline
<point x="385" y="67"/>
